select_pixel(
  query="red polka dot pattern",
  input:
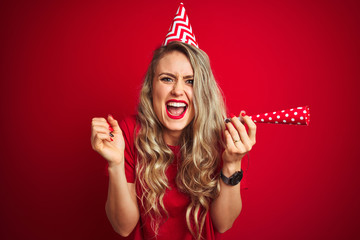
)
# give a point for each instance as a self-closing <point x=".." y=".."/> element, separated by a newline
<point x="292" y="116"/>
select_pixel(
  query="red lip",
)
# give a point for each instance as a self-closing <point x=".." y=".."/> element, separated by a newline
<point x="174" y="100"/>
<point x="179" y="101"/>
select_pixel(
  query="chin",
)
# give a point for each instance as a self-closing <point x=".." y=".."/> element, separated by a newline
<point x="175" y="125"/>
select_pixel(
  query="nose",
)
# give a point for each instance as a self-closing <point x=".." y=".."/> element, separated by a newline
<point x="178" y="88"/>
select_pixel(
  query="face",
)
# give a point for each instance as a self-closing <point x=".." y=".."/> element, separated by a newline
<point x="173" y="94"/>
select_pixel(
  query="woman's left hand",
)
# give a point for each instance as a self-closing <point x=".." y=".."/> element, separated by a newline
<point x="238" y="141"/>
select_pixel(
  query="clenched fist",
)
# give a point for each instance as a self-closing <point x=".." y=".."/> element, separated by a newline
<point x="111" y="148"/>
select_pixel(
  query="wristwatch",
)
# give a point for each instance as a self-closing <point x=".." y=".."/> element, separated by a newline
<point x="233" y="179"/>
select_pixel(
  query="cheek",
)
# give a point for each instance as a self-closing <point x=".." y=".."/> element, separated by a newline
<point x="190" y="95"/>
<point x="157" y="99"/>
<point x="156" y="103"/>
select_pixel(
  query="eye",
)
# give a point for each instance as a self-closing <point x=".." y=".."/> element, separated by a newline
<point x="191" y="82"/>
<point x="166" y="79"/>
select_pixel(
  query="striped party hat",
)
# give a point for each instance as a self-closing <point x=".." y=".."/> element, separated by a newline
<point x="180" y="29"/>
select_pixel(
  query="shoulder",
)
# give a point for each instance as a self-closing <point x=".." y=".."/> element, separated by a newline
<point x="128" y="125"/>
<point x="128" y="122"/>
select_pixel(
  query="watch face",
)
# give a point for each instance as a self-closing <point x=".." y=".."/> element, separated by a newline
<point x="236" y="178"/>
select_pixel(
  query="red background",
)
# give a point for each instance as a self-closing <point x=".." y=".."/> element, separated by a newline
<point x="64" y="62"/>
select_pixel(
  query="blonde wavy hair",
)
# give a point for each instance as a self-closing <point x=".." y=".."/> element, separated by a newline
<point x="201" y="143"/>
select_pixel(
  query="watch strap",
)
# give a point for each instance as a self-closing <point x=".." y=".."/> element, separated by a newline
<point x="233" y="179"/>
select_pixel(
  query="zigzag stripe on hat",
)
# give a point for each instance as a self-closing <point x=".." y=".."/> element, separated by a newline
<point x="180" y="29"/>
<point x="182" y="34"/>
<point x="174" y="30"/>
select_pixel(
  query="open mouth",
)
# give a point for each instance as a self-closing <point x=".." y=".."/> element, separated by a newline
<point x="176" y="109"/>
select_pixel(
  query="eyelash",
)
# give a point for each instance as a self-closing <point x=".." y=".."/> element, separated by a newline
<point x="190" y="81"/>
<point x="166" y="79"/>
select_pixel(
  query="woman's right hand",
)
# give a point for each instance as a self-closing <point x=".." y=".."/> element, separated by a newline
<point x="111" y="148"/>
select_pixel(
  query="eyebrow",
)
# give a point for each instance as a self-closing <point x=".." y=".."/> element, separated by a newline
<point x="172" y="75"/>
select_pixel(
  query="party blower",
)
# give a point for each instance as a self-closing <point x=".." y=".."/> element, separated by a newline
<point x="291" y="116"/>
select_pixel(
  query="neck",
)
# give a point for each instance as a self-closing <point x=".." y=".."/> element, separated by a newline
<point x="172" y="138"/>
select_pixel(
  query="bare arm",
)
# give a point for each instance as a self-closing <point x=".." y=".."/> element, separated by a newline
<point x="121" y="205"/>
<point x="227" y="206"/>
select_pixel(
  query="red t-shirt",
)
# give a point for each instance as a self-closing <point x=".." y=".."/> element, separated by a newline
<point x="175" y="202"/>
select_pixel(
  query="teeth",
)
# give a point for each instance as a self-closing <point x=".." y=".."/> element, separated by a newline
<point x="176" y="104"/>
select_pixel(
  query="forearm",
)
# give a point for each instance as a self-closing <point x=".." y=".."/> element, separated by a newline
<point x="227" y="206"/>
<point x="121" y="205"/>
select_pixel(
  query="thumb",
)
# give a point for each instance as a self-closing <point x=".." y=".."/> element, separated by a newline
<point x="242" y="115"/>
<point x="113" y="123"/>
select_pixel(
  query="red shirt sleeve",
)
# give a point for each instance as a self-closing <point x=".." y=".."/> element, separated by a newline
<point x="127" y="127"/>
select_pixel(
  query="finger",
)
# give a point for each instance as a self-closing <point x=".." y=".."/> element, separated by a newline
<point x="101" y="129"/>
<point x="105" y="124"/>
<point x="252" y="128"/>
<point x="96" y="134"/>
<point x="229" y="142"/>
<point x="114" y="124"/>
<point x="243" y="133"/>
<point x="102" y="122"/>
<point x="98" y="120"/>
<point x="235" y="136"/>
<point x="103" y="136"/>
<point x="233" y="132"/>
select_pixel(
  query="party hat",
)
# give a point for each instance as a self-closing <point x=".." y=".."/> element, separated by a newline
<point x="180" y="29"/>
<point x="291" y="116"/>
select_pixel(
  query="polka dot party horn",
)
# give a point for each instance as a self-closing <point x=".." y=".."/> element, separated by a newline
<point x="292" y="116"/>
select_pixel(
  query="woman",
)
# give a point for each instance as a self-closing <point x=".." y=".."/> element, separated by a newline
<point x="165" y="163"/>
